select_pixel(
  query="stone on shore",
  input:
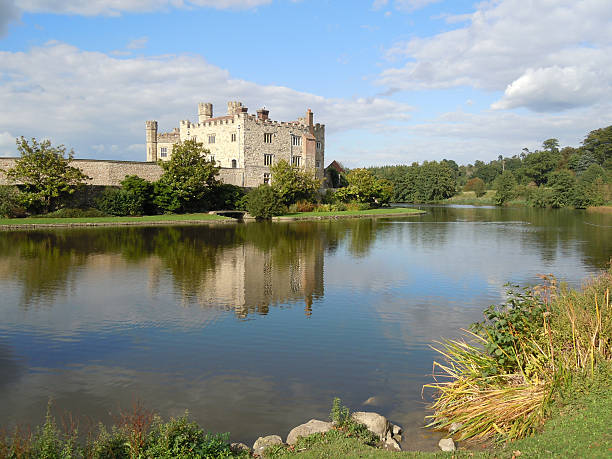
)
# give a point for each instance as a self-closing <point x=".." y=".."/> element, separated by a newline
<point x="391" y="445"/>
<point x="263" y="442"/>
<point x="447" y="444"/>
<point x="311" y="427"/>
<point x="454" y="427"/>
<point x="375" y="423"/>
<point x="239" y="448"/>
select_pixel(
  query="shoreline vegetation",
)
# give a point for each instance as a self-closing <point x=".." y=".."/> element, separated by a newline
<point x="199" y="218"/>
<point x="533" y="380"/>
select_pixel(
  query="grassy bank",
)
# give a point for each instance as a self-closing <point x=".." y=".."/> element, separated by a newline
<point x="148" y="219"/>
<point x="600" y="209"/>
<point x="470" y="198"/>
<point x="386" y="211"/>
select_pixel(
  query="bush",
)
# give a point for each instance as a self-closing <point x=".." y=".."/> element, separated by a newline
<point x="227" y="197"/>
<point x="11" y="202"/>
<point x="115" y="201"/>
<point x="142" y="191"/>
<point x="264" y="202"/>
<point x="74" y="213"/>
<point x="539" y="197"/>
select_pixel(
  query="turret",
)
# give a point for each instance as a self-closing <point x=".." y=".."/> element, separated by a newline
<point x="151" y="129"/>
<point x="205" y="111"/>
<point x="235" y="108"/>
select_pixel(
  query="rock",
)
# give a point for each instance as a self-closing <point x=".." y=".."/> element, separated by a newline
<point x="239" y="448"/>
<point x="371" y="401"/>
<point x="392" y="445"/>
<point x="454" y="427"/>
<point x="447" y="444"/>
<point x="375" y="423"/>
<point x="263" y="442"/>
<point x="311" y="427"/>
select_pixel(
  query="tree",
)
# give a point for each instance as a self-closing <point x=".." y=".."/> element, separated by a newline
<point x="476" y="185"/>
<point x="365" y="187"/>
<point x="292" y="184"/>
<point x="599" y="144"/>
<point x="505" y="188"/>
<point x="188" y="179"/>
<point x="45" y="173"/>
<point x="562" y="184"/>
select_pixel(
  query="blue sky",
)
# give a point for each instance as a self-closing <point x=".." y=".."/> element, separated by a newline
<point x="394" y="81"/>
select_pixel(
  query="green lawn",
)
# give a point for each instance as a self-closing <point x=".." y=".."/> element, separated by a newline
<point x="469" y="198"/>
<point x="340" y="213"/>
<point x="144" y="219"/>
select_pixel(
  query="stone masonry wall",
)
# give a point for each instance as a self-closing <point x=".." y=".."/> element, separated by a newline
<point x="111" y="173"/>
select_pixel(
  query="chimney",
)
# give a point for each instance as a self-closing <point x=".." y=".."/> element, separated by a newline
<point x="310" y="121"/>
<point x="262" y="114"/>
<point x="205" y="111"/>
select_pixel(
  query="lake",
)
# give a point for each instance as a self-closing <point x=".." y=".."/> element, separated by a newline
<point x="255" y="328"/>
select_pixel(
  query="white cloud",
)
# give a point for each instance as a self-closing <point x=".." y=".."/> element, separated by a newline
<point x="92" y="101"/>
<point x="7" y="144"/>
<point x="115" y="7"/>
<point x="502" y="41"/>
<point x="403" y="5"/>
<point x="137" y="43"/>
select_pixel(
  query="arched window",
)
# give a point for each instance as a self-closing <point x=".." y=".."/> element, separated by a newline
<point x="234" y="164"/>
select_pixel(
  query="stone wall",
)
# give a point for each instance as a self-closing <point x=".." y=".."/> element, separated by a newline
<point x="111" y="173"/>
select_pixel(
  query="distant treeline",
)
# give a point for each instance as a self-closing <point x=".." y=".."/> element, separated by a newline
<point x="549" y="177"/>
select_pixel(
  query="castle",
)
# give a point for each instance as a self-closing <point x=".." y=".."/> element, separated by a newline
<point x="244" y="145"/>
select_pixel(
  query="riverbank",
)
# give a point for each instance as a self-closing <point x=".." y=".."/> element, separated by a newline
<point x="181" y="219"/>
<point x="382" y="212"/>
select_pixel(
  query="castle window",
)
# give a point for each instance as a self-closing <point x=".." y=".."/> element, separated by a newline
<point x="163" y="152"/>
<point x="267" y="137"/>
<point x="234" y="137"/>
<point x="296" y="140"/>
<point x="319" y="145"/>
<point x="296" y="161"/>
<point x="211" y="138"/>
<point x="266" y="178"/>
<point x="212" y="159"/>
<point x="234" y="162"/>
<point x="317" y="163"/>
<point x="267" y="160"/>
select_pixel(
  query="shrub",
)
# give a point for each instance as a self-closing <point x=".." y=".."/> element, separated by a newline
<point x="115" y="201"/>
<point x="108" y="445"/>
<point x="142" y="190"/>
<point x="323" y="208"/>
<point x="539" y="197"/>
<point x="293" y="184"/>
<point x="264" y="202"/>
<point x="305" y="206"/>
<point x="74" y="213"/>
<point x="11" y="202"/>
<point x="506" y="184"/>
<point x="227" y="197"/>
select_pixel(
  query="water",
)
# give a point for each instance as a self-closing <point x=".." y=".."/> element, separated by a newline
<point x="256" y="327"/>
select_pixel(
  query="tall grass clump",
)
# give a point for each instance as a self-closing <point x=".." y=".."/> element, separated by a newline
<point x="501" y="378"/>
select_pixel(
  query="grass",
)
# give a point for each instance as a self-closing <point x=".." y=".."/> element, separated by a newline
<point x="117" y="220"/>
<point x="340" y="213"/>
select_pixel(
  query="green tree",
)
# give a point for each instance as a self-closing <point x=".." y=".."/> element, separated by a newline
<point x="45" y="174"/>
<point x="506" y="185"/>
<point x="188" y="180"/>
<point x="539" y="164"/>
<point x="599" y="144"/>
<point x="562" y="185"/>
<point x="365" y="187"/>
<point x="292" y="184"/>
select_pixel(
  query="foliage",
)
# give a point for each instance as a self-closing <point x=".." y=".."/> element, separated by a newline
<point x="45" y="174"/>
<point x="227" y="197"/>
<point x="599" y="144"/>
<point x="506" y="185"/>
<point x="364" y="187"/>
<point x="476" y="185"/>
<point x="522" y="356"/>
<point x="74" y="213"/>
<point x="264" y="202"/>
<point x="292" y="184"/>
<point x="11" y="202"/>
<point x="119" y="202"/>
<point x="179" y="438"/>
<point x="188" y="180"/>
<point x="339" y="414"/>
<point x="141" y="192"/>
<point x="562" y="184"/>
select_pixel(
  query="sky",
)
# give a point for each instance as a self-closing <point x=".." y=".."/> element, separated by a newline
<point x="394" y="81"/>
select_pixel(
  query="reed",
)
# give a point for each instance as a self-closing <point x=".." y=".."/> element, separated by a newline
<point x="499" y="380"/>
